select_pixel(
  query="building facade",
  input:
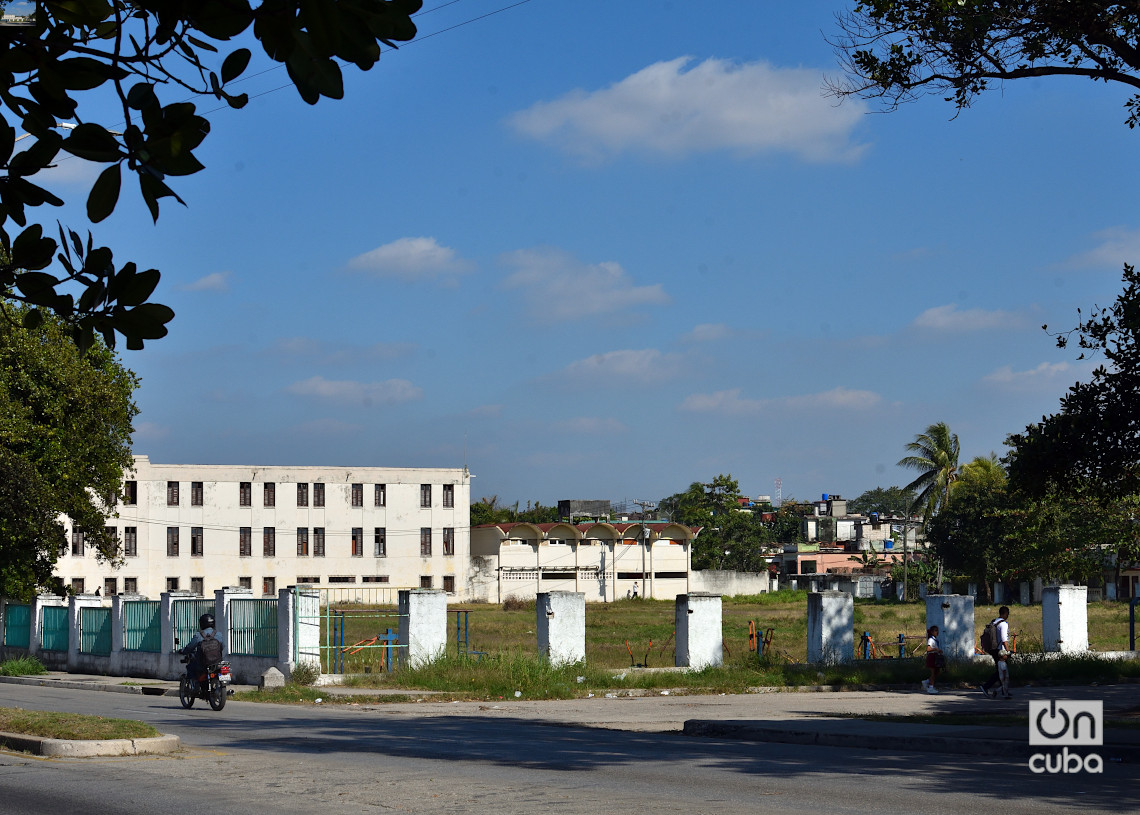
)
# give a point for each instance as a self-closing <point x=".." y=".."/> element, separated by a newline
<point x="199" y="528"/>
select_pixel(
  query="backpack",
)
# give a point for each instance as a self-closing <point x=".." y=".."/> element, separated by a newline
<point x="989" y="636"/>
<point x="210" y="651"/>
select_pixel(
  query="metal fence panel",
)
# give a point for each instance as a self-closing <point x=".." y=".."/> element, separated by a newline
<point x="142" y="626"/>
<point x="17" y="626"/>
<point x="54" y="633"/>
<point x="95" y="631"/>
<point x="253" y="628"/>
<point x="186" y="614"/>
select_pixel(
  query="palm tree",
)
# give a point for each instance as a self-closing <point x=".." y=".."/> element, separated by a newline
<point x="983" y="472"/>
<point x="935" y="456"/>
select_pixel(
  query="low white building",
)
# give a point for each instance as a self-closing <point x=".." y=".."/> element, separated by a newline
<point x="202" y="527"/>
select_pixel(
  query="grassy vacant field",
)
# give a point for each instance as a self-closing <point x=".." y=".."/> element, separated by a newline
<point x="647" y="626"/>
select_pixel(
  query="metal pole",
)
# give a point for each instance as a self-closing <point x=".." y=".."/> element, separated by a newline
<point x="1132" y="623"/>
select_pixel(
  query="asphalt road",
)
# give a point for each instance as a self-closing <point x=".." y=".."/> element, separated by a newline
<point x="253" y="758"/>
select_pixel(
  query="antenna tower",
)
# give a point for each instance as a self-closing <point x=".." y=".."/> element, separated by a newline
<point x="779" y="492"/>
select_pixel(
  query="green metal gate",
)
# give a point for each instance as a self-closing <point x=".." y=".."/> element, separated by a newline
<point x="253" y="628"/>
<point x="95" y="630"/>
<point x="357" y="625"/>
<point x="54" y="634"/>
<point x="17" y="625"/>
<point x="142" y="626"/>
<point x="185" y="614"/>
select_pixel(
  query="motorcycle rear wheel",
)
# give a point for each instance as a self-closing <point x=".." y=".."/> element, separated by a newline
<point x="218" y="697"/>
<point x="185" y="695"/>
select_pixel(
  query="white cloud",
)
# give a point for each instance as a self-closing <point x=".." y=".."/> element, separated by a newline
<point x="707" y="332"/>
<point x="411" y="259"/>
<point x="730" y="402"/>
<point x="676" y="108"/>
<point x="1116" y="246"/>
<point x="388" y="392"/>
<point x="949" y="318"/>
<point x="560" y="287"/>
<point x="590" y="425"/>
<point x="646" y="364"/>
<point x="217" y="281"/>
<point x="1044" y="377"/>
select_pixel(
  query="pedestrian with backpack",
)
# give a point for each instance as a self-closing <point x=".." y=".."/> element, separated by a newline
<point x="995" y="642"/>
<point x="935" y="661"/>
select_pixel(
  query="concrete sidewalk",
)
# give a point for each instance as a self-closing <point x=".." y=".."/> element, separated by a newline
<point x="769" y="715"/>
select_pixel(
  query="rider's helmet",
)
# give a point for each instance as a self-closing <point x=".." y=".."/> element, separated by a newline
<point x="205" y="621"/>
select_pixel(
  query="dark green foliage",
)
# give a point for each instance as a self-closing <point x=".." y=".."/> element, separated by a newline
<point x="898" y="50"/>
<point x="143" y="50"/>
<point x="65" y="429"/>
<point x="895" y="501"/>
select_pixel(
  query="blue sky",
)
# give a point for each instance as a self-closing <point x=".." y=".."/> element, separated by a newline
<point x="603" y="250"/>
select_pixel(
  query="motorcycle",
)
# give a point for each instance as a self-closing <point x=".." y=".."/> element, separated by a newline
<point x="213" y="685"/>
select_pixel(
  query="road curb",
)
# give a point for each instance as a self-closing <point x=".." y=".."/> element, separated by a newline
<point x="147" y="690"/>
<point x="792" y="734"/>
<point x="83" y="748"/>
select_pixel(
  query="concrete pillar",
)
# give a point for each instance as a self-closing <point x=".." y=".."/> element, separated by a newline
<point x="999" y="593"/>
<point x="298" y="627"/>
<point x="169" y="665"/>
<point x="700" y="638"/>
<point x="117" y="635"/>
<point x="1065" y="619"/>
<point x="1110" y="590"/>
<point x="74" y="604"/>
<point x="1024" y="593"/>
<point x="1038" y="589"/>
<point x="560" y="623"/>
<point x="878" y="590"/>
<point x="423" y="626"/>
<point x="954" y="616"/>
<point x="947" y="588"/>
<point x="830" y="627"/>
<point x="972" y="589"/>
<point x="923" y="590"/>
<point x="222" y="598"/>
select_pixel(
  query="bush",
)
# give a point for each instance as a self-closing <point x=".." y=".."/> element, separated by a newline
<point x="22" y="666"/>
<point x="305" y="673"/>
<point x="513" y="603"/>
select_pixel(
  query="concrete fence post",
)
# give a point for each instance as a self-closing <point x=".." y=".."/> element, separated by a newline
<point x="700" y="638"/>
<point x="1065" y="619"/>
<point x="169" y="666"/>
<point x="222" y="598"/>
<point x="423" y="626"/>
<point x="116" y="659"/>
<point x="298" y="628"/>
<point x="954" y="616"/>
<point x="831" y="627"/>
<point x="560" y="623"/>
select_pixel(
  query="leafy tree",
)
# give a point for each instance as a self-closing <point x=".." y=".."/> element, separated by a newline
<point x="983" y="471"/>
<point x="934" y="454"/>
<point x="65" y="431"/>
<point x="145" y="52"/>
<point x="894" y="501"/>
<point x="1093" y="443"/>
<point x="894" y="51"/>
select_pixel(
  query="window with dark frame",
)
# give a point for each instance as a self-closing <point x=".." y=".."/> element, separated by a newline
<point x="245" y="541"/>
<point x="425" y="495"/>
<point x="197" y="586"/>
<point x="112" y="533"/>
<point x="448" y="540"/>
<point x="319" y="541"/>
<point x="449" y="583"/>
<point x="172" y="493"/>
<point x="269" y="586"/>
<point x="318" y="495"/>
<point x="245" y="494"/>
<point x="196" y="543"/>
<point x="110" y="586"/>
<point x="425" y="541"/>
<point x="374" y="578"/>
<point x="130" y="541"/>
<point x="380" y="542"/>
<point x="130" y="585"/>
<point x="380" y="495"/>
<point x="131" y="493"/>
<point x="245" y="582"/>
<point x="172" y="584"/>
<point x="358" y="495"/>
<point x="269" y="542"/>
<point x="78" y="585"/>
<point x="76" y="543"/>
<point x="449" y="496"/>
<point x="196" y="491"/>
<point x="358" y="541"/>
<point x="425" y="581"/>
<point x="172" y="541"/>
<point x="270" y="494"/>
<point x="302" y="541"/>
<point x="302" y="495"/>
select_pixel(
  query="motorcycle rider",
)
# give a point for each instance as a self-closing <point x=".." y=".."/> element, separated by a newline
<point x="196" y="666"/>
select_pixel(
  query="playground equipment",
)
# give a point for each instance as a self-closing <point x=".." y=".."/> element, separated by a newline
<point x="760" y="645"/>
<point x="385" y="644"/>
<point x="633" y="663"/>
<point x="463" y="635"/>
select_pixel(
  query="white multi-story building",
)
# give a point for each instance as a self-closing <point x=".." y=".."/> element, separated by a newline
<point x="202" y="527"/>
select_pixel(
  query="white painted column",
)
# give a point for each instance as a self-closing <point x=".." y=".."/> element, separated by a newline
<point x="954" y="616"/>
<point x="830" y="627"/>
<point x="222" y="598"/>
<point x="560" y="623"/>
<point x="1024" y="592"/>
<point x="117" y="635"/>
<point x="700" y="637"/>
<point x="299" y="626"/>
<point x="423" y="626"/>
<point x="1065" y="619"/>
